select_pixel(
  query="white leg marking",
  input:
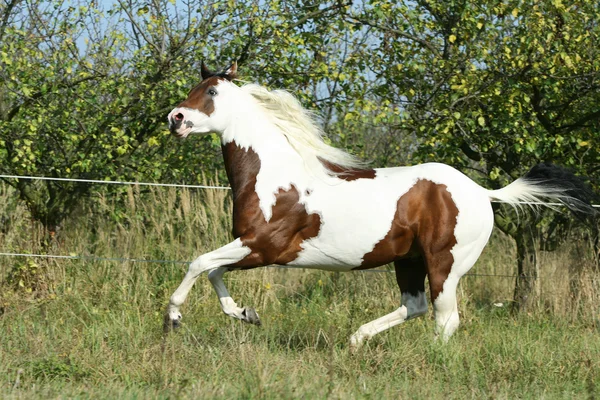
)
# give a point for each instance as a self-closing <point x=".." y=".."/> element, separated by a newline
<point x="228" y="305"/>
<point x="225" y="255"/>
<point x="379" y="325"/>
<point x="446" y="311"/>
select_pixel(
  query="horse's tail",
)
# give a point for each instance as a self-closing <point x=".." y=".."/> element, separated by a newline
<point x="549" y="185"/>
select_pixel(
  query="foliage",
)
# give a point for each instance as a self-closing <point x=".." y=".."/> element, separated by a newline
<point x="485" y="85"/>
<point x="85" y="90"/>
<point x="491" y="87"/>
<point x="508" y="83"/>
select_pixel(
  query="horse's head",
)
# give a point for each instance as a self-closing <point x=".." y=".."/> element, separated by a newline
<point x="203" y="111"/>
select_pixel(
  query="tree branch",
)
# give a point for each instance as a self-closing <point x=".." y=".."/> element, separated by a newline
<point x="405" y="35"/>
<point x="138" y="29"/>
<point x="316" y="14"/>
<point x="6" y="16"/>
<point x="536" y="104"/>
<point x="581" y="122"/>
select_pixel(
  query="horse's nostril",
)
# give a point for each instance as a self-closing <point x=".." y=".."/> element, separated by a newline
<point x="179" y="117"/>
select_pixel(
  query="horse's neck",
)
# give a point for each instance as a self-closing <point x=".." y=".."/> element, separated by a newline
<point x="259" y="160"/>
<point x="252" y="142"/>
<point x="243" y="166"/>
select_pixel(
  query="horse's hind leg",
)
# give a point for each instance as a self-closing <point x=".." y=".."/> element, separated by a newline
<point x="410" y="275"/>
<point x="445" y="309"/>
<point x="445" y="270"/>
<point x="228" y="305"/>
<point x="442" y="288"/>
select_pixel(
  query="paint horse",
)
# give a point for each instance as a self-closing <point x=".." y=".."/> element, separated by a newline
<point x="300" y="202"/>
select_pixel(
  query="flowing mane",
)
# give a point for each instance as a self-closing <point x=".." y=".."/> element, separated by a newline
<point x="300" y="127"/>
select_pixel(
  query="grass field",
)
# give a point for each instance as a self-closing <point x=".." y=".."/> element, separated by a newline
<point x="93" y="329"/>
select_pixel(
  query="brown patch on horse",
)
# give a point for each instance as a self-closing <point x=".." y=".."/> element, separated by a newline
<point x="199" y="98"/>
<point x="278" y="241"/>
<point x="424" y="223"/>
<point x="274" y="242"/>
<point x="348" y="174"/>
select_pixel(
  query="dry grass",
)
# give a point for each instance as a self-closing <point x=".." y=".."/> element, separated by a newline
<point x="93" y="328"/>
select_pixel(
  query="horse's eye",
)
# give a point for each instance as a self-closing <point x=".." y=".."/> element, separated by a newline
<point x="212" y="92"/>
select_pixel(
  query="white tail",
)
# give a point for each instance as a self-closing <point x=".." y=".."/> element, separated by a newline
<point x="550" y="186"/>
<point x="531" y="193"/>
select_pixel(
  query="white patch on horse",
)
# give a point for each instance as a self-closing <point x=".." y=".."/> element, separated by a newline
<point x="356" y="215"/>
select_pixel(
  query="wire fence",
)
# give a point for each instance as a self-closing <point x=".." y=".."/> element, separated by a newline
<point x="143" y="260"/>
<point x="182" y="185"/>
<point x="109" y="182"/>
<point x="175" y="185"/>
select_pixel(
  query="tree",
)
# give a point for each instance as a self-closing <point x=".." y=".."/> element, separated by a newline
<point x="85" y="91"/>
<point x="494" y="87"/>
<point x="489" y="87"/>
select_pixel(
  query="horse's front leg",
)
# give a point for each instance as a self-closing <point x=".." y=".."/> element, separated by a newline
<point x="229" y="306"/>
<point x="226" y="255"/>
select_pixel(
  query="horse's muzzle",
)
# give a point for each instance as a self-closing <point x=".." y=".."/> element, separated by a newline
<point x="175" y="122"/>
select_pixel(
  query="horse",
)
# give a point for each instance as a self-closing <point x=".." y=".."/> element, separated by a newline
<point x="300" y="202"/>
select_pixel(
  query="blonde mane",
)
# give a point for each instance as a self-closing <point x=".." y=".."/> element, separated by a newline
<point x="300" y="127"/>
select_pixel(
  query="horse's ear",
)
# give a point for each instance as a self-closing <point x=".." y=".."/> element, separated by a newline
<point x="205" y="72"/>
<point x="231" y="72"/>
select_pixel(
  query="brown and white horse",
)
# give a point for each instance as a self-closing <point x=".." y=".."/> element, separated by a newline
<point x="301" y="202"/>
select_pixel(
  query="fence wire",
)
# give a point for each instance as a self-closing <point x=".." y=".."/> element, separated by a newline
<point x="177" y="185"/>
<point x="182" y="185"/>
<point x="109" y="182"/>
<point x="143" y="260"/>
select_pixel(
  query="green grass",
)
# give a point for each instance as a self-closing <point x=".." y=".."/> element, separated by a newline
<point x="80" y="346"/>
<point x="93" y="329"/>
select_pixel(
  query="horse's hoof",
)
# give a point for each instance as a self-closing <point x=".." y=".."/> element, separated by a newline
<point x="250" y="316"/>
<point x="354" y="345"/>
<point x="171" y="324"/>
<point x="356" y="341"/>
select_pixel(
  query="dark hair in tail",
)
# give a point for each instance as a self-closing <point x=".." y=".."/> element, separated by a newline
<point x="547" y="184"/>
<point x="579" y="194"/>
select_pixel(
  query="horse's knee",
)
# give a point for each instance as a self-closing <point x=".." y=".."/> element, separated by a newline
<point x="199" y="266"/>
<point x="195" y="267"/>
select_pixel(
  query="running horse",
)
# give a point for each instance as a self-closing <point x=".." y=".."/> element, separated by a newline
<point x="299" y="202"/>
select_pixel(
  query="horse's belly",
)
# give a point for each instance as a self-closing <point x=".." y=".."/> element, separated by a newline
<point x="320" y="256"/>
<point x="355" y="217"/>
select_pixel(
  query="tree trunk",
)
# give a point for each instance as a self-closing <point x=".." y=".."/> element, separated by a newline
<point x="596" y="246"/>
<point x="527" y="270"/>
<point x="527" y="267"/>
